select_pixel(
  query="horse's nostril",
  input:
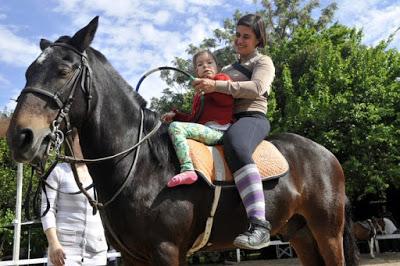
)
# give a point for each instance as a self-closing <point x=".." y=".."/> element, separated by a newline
<point x="25" y="138"/>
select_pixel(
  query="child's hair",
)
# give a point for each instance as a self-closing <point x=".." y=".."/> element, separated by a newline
<point x="203" y="52"/>
<point x="256" y="23"/>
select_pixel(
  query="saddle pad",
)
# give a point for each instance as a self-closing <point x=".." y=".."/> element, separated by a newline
<point x="210" y="163"/>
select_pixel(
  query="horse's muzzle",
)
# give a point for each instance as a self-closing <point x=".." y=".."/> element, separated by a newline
<point x="28" y="145"/>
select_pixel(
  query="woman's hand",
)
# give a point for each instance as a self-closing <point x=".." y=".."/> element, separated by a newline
<point x="203" y="85"/>
<point x="168" y="117"/>
<point x="57" y="254"/>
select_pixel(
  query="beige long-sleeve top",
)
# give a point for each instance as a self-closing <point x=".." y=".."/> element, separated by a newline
<point x="249" y="95"/>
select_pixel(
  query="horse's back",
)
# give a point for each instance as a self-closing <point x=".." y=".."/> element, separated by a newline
<point x="314" y="172"/>
<point x="307" y="156"/>
<point x="287" y="142"/>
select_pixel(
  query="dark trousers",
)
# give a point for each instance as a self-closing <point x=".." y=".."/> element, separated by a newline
<point x="243" y="137"/>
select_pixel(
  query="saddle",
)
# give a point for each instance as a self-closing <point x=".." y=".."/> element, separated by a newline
<point x="209" y="162"/>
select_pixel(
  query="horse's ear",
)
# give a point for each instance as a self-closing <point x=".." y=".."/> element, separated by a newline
<point x="84" y="37"/>
<point x="44" y="44"/>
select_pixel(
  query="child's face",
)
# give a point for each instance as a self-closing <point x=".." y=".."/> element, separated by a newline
<point x="205" y="66"/>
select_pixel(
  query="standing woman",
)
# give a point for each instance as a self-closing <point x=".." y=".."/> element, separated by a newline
<point x="251" y="82"/>
<point x="75" y="236"/>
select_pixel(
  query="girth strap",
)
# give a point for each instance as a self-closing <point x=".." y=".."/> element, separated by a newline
<point x="203" y="238"/>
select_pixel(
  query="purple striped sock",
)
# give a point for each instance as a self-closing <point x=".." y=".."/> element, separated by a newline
<point x="249" y="185"/>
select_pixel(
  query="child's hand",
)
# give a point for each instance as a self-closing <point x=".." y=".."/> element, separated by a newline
<point x="168" y="117"/>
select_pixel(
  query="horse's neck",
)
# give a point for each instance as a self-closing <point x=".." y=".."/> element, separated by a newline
<point x="113" y="126"/>
<point x="114" y="117"/>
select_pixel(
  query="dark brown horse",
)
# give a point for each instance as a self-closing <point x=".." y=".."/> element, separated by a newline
<point x="150" y="223"/>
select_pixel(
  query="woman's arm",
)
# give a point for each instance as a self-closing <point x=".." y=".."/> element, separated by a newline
<point x="56" y="252"/>
<point x="260" y="83"/>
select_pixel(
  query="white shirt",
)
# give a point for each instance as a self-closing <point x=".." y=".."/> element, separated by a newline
<point x="79" y="231"/>
<point x="390" y="228"/>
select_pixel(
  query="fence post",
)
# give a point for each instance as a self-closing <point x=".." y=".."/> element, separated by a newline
<point x="17" y="220"/>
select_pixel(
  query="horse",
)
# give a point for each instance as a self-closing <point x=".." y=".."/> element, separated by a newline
<point x="367" y="230"/>
<point x="73" y="85"/>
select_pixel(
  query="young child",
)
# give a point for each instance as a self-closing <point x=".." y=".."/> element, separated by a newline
<point x="206" y="125"/>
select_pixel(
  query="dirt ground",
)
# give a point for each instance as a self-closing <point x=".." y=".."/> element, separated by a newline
<point x="384" y="259"/>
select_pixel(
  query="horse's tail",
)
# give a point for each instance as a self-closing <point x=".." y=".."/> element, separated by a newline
<point x="351" y="253"/>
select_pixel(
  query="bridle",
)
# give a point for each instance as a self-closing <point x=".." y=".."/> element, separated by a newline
<point x="83" y="74"/>
<point x="82" y="78"/>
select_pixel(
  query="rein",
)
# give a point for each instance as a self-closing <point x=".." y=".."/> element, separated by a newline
<point x="160" y="69"/>
<point x="191" y="78"/>
<point x="94" y="203"/>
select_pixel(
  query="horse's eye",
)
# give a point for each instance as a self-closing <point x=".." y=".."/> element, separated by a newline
<point x="67" y="58"/>
<point x="63" y="72"/>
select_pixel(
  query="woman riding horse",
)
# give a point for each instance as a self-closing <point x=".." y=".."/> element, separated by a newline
<point x="73" y="85"/>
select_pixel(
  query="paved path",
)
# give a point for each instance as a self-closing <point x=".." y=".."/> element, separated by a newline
<point x="383" y="259"/>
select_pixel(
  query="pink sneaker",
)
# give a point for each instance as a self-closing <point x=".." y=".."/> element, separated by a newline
<point x="185" y="178"/>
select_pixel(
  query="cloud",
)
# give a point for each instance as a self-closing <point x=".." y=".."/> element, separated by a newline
<point x="137" y="37"/>
<point x="8" y="94"/>
<point x="162" y="17"/>
<point x="377" y="18"/>
<point x="15" y="50"/>
<point x="4" y="82"/>
<point x="11" y="104"/>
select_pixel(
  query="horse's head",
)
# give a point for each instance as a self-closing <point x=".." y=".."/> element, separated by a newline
<point x="56" y="94"/>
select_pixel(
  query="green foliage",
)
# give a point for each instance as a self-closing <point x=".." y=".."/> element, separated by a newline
<point x="173" y="100"/>
<point x="342" y="94"/>
<point x="8" y="174"/>
<point x="328" y="87"/>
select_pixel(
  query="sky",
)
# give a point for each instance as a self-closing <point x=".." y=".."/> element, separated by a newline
<point x="138" y="35"/>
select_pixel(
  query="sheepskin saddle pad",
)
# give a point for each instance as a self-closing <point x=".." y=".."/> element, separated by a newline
<point x="209" y="162"/>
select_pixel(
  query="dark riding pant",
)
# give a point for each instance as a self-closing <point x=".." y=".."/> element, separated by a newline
<point x="243" y="137"/>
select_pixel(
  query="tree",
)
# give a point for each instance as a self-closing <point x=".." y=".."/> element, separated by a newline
<point x="329" y="87"/>
<point x="8" y="173"/>
<point x="343" y="95"/>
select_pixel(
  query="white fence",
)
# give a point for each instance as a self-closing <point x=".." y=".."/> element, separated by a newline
<point x="44" y="260"/>
<point x="384" y="237"/>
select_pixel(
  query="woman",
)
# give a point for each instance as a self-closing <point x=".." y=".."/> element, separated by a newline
<point x="75" y="236"/>
<point x="252" y="77"/>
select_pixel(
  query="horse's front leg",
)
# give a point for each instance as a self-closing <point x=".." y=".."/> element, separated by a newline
<point x="371" y="243"/>
<point x="168" y="254"/>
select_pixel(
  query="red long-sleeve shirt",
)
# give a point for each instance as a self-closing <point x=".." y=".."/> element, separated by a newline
<point x="218" y="107"/>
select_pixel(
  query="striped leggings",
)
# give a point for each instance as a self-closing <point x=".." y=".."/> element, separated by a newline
<point x="240" y="141"/>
